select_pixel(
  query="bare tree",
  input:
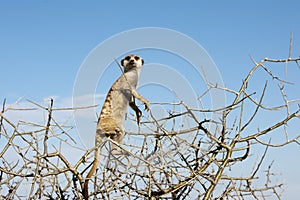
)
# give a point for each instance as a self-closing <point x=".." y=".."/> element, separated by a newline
<point x="184" y="155"/>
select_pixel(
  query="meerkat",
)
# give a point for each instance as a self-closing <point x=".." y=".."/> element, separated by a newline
<point x="121" y="95"/>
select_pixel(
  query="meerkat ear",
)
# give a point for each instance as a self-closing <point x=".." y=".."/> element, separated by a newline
<point x="142" y="61"/>
<point x="122" y="62"/>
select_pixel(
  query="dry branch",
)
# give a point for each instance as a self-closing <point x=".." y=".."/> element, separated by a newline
<point x="170" y="160"/>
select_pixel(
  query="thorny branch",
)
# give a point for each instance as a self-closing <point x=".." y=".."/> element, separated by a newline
<point x="166" y="158"/>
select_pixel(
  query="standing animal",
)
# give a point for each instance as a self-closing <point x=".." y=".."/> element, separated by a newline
<point x="110" y="123"/>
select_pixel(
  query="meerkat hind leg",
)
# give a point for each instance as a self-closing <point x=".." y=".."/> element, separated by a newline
<point x="117" y="137"/>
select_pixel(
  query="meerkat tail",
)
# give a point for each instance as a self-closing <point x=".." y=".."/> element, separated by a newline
<point x="85" y="189"/>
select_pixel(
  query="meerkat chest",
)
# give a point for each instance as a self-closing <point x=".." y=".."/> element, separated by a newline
<point x="117" y="101"/>
<point x="132" y="78"/>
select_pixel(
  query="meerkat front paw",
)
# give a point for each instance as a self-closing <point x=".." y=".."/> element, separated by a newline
<point x="147" y="105"/>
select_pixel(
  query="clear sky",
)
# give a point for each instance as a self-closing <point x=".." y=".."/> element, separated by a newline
<point x="44" y="43"/>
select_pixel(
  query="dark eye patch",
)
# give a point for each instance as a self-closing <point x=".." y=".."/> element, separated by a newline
<point x="136" y="58"/>
<point x="127" y="58"/>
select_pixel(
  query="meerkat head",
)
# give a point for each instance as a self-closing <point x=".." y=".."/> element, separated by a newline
<point x="132" y="61"/>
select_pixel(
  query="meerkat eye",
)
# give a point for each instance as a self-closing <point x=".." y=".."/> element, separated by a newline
<point x="136" y="58"/>
<point x="127" y="58"/>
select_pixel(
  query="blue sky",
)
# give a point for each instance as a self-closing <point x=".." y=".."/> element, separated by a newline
<point x="44" y="43"/>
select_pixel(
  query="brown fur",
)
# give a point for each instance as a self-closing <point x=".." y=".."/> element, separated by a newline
<point x="110" y="123"/>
